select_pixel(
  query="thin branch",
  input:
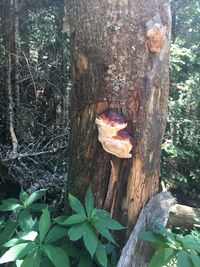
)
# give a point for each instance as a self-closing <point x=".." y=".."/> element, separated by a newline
<point x="11" y="107"/>
<point x="19" y="156"/>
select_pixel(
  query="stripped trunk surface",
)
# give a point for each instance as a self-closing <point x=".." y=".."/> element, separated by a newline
<point x="120" y="53"/>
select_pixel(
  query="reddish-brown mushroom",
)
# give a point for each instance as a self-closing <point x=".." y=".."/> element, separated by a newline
<point x="113" y="138"/>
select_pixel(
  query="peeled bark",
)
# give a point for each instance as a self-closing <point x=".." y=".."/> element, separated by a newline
<point x="116" y="66"/>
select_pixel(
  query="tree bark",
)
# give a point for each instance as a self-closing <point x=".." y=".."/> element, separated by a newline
<point x="118" y="64"/>
<point x="137" y="252"/>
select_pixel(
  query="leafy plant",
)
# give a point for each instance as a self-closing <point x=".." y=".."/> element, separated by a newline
<point x="169" y="246"/>
<point x="36" y="240"/>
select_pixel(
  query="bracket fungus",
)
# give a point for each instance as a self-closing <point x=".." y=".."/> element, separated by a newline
<point x="114" y="139"/>
<point x="155" y="34"/>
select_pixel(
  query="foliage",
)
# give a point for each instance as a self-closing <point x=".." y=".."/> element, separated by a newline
<point x="40" y="81"/>
<point x="181" y="146"/>
<point x="171" y="247"/>
<point x="33" y="238"/>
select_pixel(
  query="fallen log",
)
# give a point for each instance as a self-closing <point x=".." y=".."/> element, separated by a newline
<point x="162" y="208"/>
<point x="137" y="252"/>
<point x="183" y="216"/>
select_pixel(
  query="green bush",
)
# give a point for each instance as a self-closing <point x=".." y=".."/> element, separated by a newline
<point x="33" y="238"/>
<point x="181" y="250"/>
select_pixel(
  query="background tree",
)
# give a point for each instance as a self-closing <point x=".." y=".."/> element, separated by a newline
<point x="120" y="60"/>
<point x="34" y="84"/>
<point x="181" y="147"/>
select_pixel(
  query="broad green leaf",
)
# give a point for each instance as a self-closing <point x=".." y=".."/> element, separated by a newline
<point x="26" y="221"/>
<point x="76" y="205"/>
<point x="90" y="240"/>
<point x="38" y="207"/>
<point x="89" y="202"/>
<point x="2" y="220"/>
<point x="162" y="257"/>
<point x="164" y="231"/>
<point x="61" y="219"/>
<point x="23" y="196"/>
<point x="44" y="224"/>
<point x="108" y="222"/>
<point x="10" y="204"/>
<point x="32" y="260"/>
<point x="17" y="252"/>
<point x="101" y="254"/>
<point x="71" y="250"/>
<point x="112" y="224"/>
<point x="7" y="232"/>
<point x="191" y="242"/>
<point x="30" y="236"/>
<point x="56" y="233"/>
<point x="184" y="260"/>
<point x="73" y="219"/>
<point x="153" y="237"/>
<point x="103" y="231"/>
<point x="195" y="259"/>
<point x="76" y="231"/>
<point x="85" y="261"/>
<point x="19" y="263"/>
<point x="56" y="255"/>
<point x="12" y="242"/>
<point x="35" y="196"/>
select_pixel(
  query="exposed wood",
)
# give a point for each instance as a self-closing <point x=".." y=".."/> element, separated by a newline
<point x="137" y="252"/>
<point x="114" y="68"/>
<point x="183" y="216"/>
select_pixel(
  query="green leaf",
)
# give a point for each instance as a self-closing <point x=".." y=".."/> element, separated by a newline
<point x="18" y="263"/>
<point x="26" y="221"/>
<point x="44" y="224"/>
<point x="162" y="257"/>
<point x="108" y="222"/>
<point x="10" y="204"/>
<point x="32" y="260"/>
<point x="90" y="240"/>
<point x="73" y="219"/>
<point x="89" y="202"/>
<point x="31" y="235"/>
<point x="164" y="231"/>
<point x="76" y="231"/>
<point x="17" y="252"/>
<point x="71" y="250"/>
<point x="23" y="196"/>
<point x="85" y="261"/>
<point x="101" y="254"/>
<point x="56" y="233"/>
<point x="56" y="255"/>
<point x="8" y="231"/>
<point x="12" y="243"/>
<point x="76" y="205"/>
<point x="195" y="259"/>
<point x="61" y="219"/>
<point x="35" y="196"/>
<point x="2" y="220"/>
<point x="184" y="260"/>
<point x="191" y="242"/>
<point x="38" y="207"/>
<point x="153" y="237"/>
<point x="103" y="231"/>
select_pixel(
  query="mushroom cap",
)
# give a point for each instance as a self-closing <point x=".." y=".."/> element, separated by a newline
<point x="122" y="135"/>
<point x="112" y="118"/>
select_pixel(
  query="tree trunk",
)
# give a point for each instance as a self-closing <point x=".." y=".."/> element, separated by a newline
<point x="120" y="55"/>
